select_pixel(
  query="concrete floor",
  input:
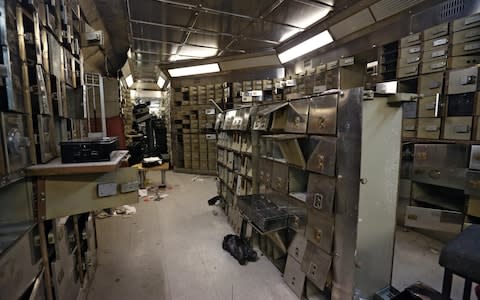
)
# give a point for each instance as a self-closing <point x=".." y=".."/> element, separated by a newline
<point x="171" y="249"/>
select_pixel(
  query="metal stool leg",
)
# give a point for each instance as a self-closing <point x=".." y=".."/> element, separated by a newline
<point x="447" y="284"/>
<point x="467" y="289"/>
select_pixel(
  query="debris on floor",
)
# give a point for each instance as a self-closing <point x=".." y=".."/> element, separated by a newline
<point x="198" y="178"/>
<point x="142" y="192"/>
<point x="239" y="249"/>
<point x="126" y="210"/>
<point x="214" y="201"/>
<point x="214" y="212"/>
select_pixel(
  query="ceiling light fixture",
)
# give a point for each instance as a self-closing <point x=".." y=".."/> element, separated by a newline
<point x="129" y="80"/>
<point x="307" y="46"/>
<point x="194" y="70"/>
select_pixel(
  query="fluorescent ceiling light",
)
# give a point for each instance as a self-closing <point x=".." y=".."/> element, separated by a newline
<point x="194" y="70"/>
<point x="129" y="80"/>
<point x="160" y="82"/>
<point x="305" y="47"/>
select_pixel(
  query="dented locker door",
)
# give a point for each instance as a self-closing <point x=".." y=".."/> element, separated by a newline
<point x="323" y="155"/>
<point x="16" y="141"/>
<point x="323" y="115"/>
<point x="294" y="277"/>
<point x="321" y="194"/>
<point x="280" y="177"/>
<point x="297" y="247"/>
<point x="319" y="229"/>
<point x="457" y="128"/>
<point x="297" y="116"/>
<point x="316" y="264"/>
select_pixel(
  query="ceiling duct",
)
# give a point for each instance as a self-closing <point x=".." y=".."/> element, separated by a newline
<point x="252" y="62"/>
<point x="443" y="12"/>
<point x="386" y="8"/>
<point x="351" y="24"/>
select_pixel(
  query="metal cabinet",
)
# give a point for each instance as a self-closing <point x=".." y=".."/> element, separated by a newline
<point x="431" y="84"/>
<point x="316" y="264"/>
<point x="428" y="128"/>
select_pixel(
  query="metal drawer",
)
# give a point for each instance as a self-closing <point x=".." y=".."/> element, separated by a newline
<point x="413" y="39"/>
<point x="465" y="23"/>
<point x="428" y="128"/>
<point x="409" y="128"/>
<point x="435" y="43"/>
<point x="475" y="157"/>
<point x="45" y="147"/>
<point x="323" y="115"/>
<point x="297" y="116"/>
<point x="323" y="155"/>
<point x="411" y="52"/>
<point x="457" y="128"/>
<point x="16" y="141"/>
<point x="321" y="193"/>
<point x="294" y="277"/>
<point x="441" y="52"/>
<point x="466" y="48"/>
<point x="408" y="71"/>
<point x="441" y="155"/>
<point x="430" y="84"/>
<point x="476" y="128"/>
<point x="435" y="31"/>
<point x="280" y="177"/>
<point x="463" y="61"/>
<point x="409" y="59"/>
<point x="429" y="107"/>
<point x="332" y="79"/>
<point x="463" y="80"/>
<point x="472" y="185"/>
<point x="297" y="247"/>
<point x="320" y="229"/>
<point x="434" y="66"/>
<point x="466" y="35"/>
<point x="409" y="110"/>
<point x="434" y="219"/>
<point x="317" y="265"/>
<point x="461" y="105"/>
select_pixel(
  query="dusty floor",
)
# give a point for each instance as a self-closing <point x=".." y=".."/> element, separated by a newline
<point x="171" y="249"/>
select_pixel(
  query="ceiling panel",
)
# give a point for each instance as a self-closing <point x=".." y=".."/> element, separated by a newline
<point x="266" y="31"/>
<point x="142" y="56"/>
<point x="207" y="40"/>
<point x="157" y="33"/>
<point x="222" y="23"/>
<point x="154" y="46"/>
<point x="252" y="8"/>
<point x="157" y="12"/>
<point x="299" y="14"/>
<point x="249" y="45"/>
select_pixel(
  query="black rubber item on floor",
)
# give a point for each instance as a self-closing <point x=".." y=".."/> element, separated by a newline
<point x="239" y="249"/>
<point x="213" y="200"/>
